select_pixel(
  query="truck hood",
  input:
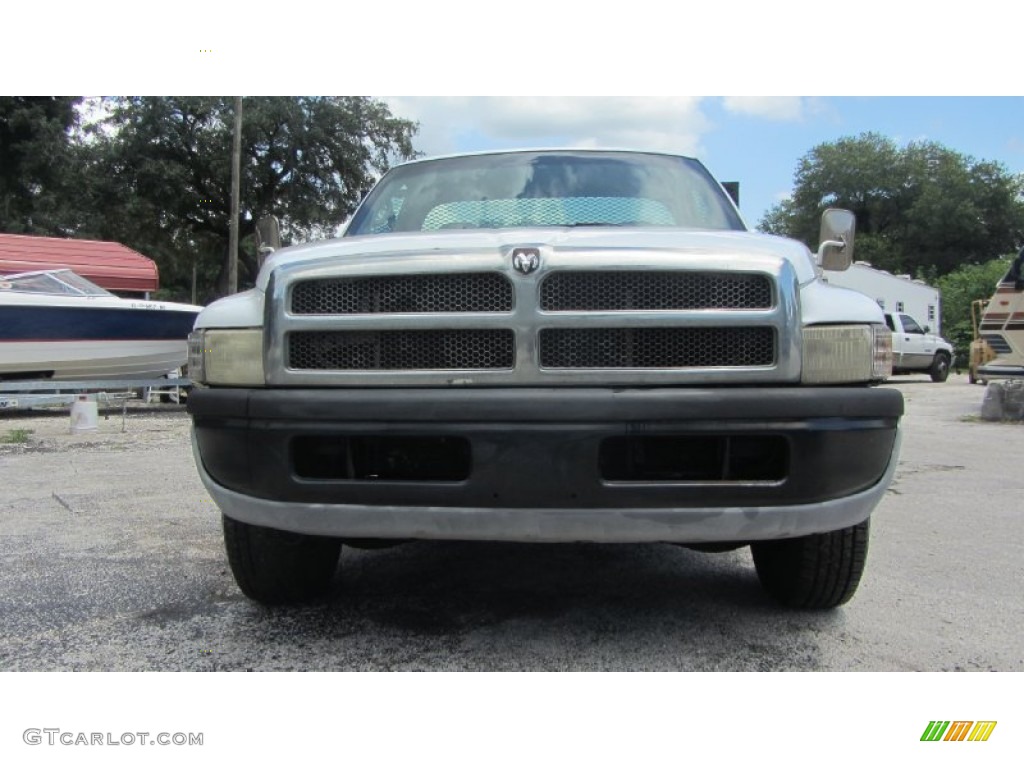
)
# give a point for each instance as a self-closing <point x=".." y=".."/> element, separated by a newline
<point x="699" y="243"/>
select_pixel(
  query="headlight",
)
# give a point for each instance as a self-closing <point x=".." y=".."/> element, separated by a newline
<point x="232" y="356"/>
<point x="846" y="354"/>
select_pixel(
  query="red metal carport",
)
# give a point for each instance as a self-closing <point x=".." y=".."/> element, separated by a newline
<point x="112" y="266"/>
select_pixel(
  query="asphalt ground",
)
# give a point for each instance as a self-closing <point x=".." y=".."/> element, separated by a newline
<point x="112" y="559"/>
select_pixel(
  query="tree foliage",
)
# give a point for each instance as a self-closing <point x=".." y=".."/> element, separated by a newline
<point x="920" y="208"/>
<point x="36" y="163"/>
<point x="160" y="174"/>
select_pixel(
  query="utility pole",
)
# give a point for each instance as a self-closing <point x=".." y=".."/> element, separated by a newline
<point x="236" y="162"/>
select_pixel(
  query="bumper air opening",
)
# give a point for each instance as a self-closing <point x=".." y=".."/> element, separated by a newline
<point x="695" y="458"/>
<point x="381" y="458"/>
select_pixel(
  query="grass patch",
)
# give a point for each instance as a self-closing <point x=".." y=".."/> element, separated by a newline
<point x="15" y="436"/>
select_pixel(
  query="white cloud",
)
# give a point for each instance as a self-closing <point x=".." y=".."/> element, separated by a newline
<point x="450" y="123"/>
<point x="786" y="108"/>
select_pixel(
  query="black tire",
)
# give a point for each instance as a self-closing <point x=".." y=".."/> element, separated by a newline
<point x="817" y="571"/>
<point x="276" y="567"/>
<point x="940" y="367"/>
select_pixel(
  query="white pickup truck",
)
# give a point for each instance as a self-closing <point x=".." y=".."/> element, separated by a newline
<point x="548" y="346"/>
<point x="916" y="350"/>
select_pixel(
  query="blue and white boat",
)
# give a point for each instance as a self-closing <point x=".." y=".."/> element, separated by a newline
<point x="56" y="324"/>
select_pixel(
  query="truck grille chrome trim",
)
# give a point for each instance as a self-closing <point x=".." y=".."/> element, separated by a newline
<point x="471" y="320"/>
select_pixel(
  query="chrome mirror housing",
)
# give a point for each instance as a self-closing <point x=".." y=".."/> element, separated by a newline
<point x="835" y="249"/>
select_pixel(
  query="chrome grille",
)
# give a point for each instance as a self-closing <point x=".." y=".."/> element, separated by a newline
<point x="566" y="291"/>
<point x="579" y="320"/>
<point x="404" y="350"/>
<point x="640" y="348"/>
<point x="480" y="292"/>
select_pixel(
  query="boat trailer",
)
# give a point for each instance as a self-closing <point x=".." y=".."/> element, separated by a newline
<point x="26" y="394"/>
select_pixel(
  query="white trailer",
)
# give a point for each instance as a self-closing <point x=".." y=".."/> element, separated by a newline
<point x="894" y="293"/>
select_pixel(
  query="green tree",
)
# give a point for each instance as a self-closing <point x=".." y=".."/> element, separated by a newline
<point x="160" y="174"/>
<point x="920" y="207"/>
<point x="36" y="164"/>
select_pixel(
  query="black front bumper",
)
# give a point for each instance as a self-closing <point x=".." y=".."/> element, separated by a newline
<point x="547" y="448"/>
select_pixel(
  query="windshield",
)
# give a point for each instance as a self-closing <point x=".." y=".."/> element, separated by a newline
<point x="60" y="282"/>
<point x="546" y="189"/>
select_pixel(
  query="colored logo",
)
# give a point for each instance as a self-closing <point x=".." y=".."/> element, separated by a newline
<point x="958" y="730"/>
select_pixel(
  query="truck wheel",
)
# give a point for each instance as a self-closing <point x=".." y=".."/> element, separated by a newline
<point x="817" y="571"/>
<point x="940" y="367"/>
<point x="275" y="567"/>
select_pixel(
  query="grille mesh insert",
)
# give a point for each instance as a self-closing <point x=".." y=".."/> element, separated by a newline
<point x="656" y="347"/>
<point x="434" y="350"/>
<point x="617" y="291"/>
<point x="480" y="292"/>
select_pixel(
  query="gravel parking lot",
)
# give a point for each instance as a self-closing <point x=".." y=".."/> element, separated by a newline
<point x="112" y="559"/>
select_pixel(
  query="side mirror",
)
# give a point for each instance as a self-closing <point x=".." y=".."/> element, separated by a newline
<point x="268" y="237"/>
<point x="835" y="249"/>
<point x="927" y="329"/>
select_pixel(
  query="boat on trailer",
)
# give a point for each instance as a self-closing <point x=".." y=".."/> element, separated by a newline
<point x="56" y="324"/>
